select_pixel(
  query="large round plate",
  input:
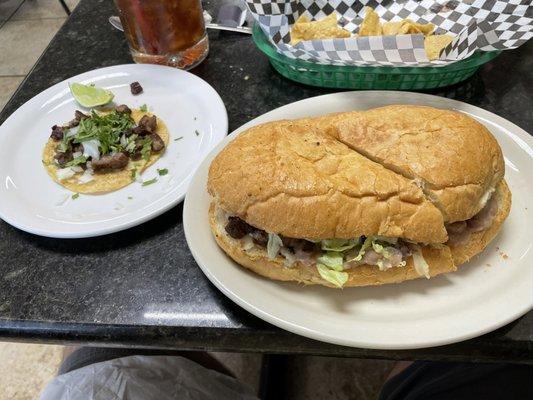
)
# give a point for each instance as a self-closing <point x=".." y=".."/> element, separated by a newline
<point x="482" y="295"/>
<point x="31" y="201"/>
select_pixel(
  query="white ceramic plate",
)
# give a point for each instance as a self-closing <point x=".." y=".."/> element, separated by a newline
<point x="483" y="295"/>
<point x="32" y="201"/>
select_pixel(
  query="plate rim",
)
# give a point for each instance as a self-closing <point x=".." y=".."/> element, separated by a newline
<point x="282" y="323"/>
<point x="44" y="95"/>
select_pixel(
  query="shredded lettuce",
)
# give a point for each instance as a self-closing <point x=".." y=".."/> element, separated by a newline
<point x="335" y="277"/>
<point x="421" y="266"/>
<point x="366" y="244"/>
<point x="386" y="239"/>
<point x="332" y="260"/>
<point x="339" y="244"/>
<point x="273" y="246"/>
<point x="380" y="249"/>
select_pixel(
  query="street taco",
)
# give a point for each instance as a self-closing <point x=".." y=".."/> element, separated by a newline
<point x="104" y="151"/>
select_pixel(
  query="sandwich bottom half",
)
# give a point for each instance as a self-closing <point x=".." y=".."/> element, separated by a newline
<point x="441" y="258"/>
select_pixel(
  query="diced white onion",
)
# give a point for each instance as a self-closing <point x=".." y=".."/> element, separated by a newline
<point x="72" y="131"/>
<point x="247" y="243"/>
<point x="65" y="173"/>
<point x="86" y="177"/>
<point x="77" y="168"/>
<point x="62" y="200"/>
<point x="90" y="149"/>
<point x="77" y="154"/>
<point x="290" y="258"/>
<point x="123" y="141"/>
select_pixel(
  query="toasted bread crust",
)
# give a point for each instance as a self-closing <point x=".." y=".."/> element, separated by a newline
<point x="454" y="157"/>
<point x="293" y="179"/>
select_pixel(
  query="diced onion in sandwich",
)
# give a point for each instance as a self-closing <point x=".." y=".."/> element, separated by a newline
<point x="421" y="266"/>
<point x="77" y="168"/>
<point x="77" y="154"/>
<point x="273" y="246"/>
<point x="247" y="243"/>
<point x="290" y="258"/>
<point x="65" y="173"/>
<point x="334" y="277"/>
<point x="90" y="149"/>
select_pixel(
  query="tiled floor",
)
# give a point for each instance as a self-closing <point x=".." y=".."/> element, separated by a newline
<point x="26" y="28"/>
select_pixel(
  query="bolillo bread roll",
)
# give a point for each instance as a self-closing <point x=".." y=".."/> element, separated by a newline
<point x="384" y="185"/>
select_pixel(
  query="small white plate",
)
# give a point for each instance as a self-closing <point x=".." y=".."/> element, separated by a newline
<point x="481" y="296"/>
<point x="32" y="201"/>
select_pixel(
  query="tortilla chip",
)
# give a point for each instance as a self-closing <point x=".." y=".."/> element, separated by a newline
<point x="327" y="28"/>
<point x="434" y="44"/>
<point x="407" y="27"/>
<point x="392" y="28"/>
<point x="109" y="181"/>
<point x="426" y="29"/>
<point x="370" y="25"/>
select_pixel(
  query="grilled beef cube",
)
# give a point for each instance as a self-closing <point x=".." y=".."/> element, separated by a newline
<point x="136" y="88"/>
<point x="123" y="109"/>
<point x="111" y="162"/>
<point x="157" y="143"/>
<point x="57" y="133"/>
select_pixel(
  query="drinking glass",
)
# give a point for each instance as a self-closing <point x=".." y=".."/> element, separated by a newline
<point x="168" y="32"/>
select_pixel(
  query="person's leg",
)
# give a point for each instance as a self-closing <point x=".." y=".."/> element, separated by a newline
<point x="78" y="357"/>
<point x="441" y="381"/>
<point x="399" y="367"/>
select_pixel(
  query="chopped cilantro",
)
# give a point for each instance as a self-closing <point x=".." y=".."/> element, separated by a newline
<point x="162" y="171"/>
<point x="75" y="196"/>
<point x="143" y="108"/>
<point x="133" y="174"/>
<point x="146" y="148"/>
<point x="146" y="183"/>
<point x="130" y="198"/>
<point x="107" y="129"/>
<point x="197" y="133"/>
<point x="181" y="137"/>
<point x="77" y="161"/>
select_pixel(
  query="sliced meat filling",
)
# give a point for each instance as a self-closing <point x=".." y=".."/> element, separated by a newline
<point x="459" y="232"/>
<point x="382" y="252"/>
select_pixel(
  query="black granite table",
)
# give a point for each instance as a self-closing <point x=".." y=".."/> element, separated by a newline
<point x="141" y="287"/>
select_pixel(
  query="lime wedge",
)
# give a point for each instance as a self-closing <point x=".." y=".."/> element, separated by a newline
<point x="90" y="96"/>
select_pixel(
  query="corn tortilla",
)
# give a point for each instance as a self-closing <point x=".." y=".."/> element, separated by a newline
<point x="108" y="181"/>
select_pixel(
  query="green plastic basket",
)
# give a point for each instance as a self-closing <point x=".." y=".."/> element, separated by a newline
<point x="351" y="77"/>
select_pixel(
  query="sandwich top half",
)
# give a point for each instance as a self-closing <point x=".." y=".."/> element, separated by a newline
<point x="400" y="171"/>
<point x="408" y="173"/>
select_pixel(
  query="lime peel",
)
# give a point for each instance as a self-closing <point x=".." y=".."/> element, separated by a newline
<point x="90" y="96"/>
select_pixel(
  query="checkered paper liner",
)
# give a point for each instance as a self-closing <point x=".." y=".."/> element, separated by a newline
<point x="484" y="25"/>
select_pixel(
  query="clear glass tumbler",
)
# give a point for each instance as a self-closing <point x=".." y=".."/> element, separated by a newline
<point x="167" y="32"/>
